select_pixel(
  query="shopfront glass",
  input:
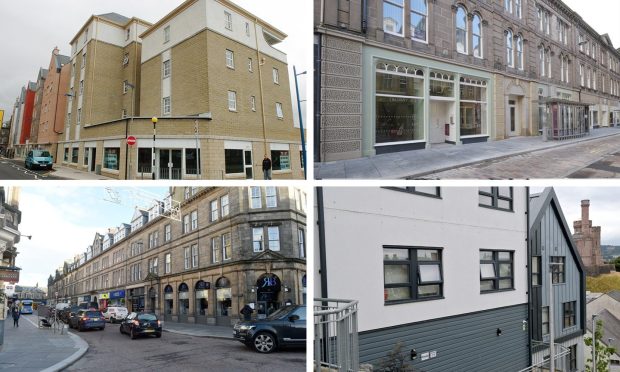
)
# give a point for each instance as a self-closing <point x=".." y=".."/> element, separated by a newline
<point x="473" y="107"/>
<point x="399" y="103"/>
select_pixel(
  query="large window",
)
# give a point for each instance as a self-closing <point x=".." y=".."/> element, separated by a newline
<point x="558" y="269"/>
<point x="419" y="13"/>
<point x="569" y="314"/>
<point x="496" y="272"/>
<point x="110" y="157"/>
<point x="477" y="36"/>
<point x="496" y="197"/>
<point x="461" y="30"/>
<point x="400" y="103"/>
<point x="473" y="106"/>
<point x="411" y="274"/>
<point x="509" y="49"/>
<point x="393" y="16"/>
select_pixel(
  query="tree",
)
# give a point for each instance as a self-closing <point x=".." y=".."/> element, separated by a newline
<point x="617" y="263"/>
<point x="602" y="352"/>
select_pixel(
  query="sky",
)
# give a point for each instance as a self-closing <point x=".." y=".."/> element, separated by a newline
<point x="604" y="207"/>
<point x="34" y="34"/>
<point x="63" y="222"/>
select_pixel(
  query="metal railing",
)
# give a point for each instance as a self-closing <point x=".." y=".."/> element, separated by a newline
<point x="336" y="345"/>
<point x="543" y="366"/>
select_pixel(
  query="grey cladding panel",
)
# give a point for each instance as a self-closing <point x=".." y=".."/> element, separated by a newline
<point x="467" y="342"/>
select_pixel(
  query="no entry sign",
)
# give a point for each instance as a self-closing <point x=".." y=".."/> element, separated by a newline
<point x="131" y="140"/>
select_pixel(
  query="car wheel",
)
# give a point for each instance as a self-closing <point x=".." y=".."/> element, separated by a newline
<point x="132" y="334"/>
<point x="264" y="342"/>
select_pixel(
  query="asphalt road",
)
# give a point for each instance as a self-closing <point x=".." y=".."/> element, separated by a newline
<point x="15" y="170"/>
<point x="109" y="350"/>
<point x="597" y="158"/>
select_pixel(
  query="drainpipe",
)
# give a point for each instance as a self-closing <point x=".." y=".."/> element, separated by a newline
<point x="364" y="16"/>
<point x="321" y="226"/>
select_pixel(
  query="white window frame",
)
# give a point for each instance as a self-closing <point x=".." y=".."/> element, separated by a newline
<point x="232" y="101"/>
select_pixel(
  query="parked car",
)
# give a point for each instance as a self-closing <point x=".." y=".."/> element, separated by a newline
<point x="85" y="319"/>
<point x="285" y="327"/>
<point x="137" y="324"/>
<point x="115" y="313"/>
<point x="66" y="313"/>
<point x="39" y="159"/>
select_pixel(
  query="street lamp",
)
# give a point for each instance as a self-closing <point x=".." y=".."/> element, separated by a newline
<point x="133" y="95"/>
<point x="301" y="123"/>
<point x="154" y="120"/>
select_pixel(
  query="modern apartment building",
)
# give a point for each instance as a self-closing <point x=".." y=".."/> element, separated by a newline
<point x="395" y="75"/>
<point x="442" y="271"/>
<point x="553" y="251"/>
<point x="53" y="102"/>
<point x="198" y="256"/>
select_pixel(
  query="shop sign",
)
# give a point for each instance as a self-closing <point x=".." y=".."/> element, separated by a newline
<point x="224" y="294"/>
<point x="117" y="294"/>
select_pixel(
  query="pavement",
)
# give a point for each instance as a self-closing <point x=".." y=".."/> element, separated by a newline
<point x="29" y="348"/>
<point x="417" y="163"/>
<point x="199" y="330"/>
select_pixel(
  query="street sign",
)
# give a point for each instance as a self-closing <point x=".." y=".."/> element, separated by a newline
<point x="131" y="140"/>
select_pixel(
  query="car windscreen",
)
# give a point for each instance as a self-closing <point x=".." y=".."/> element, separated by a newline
<point x="45" y="154"/>
<point x="147" y="317"/>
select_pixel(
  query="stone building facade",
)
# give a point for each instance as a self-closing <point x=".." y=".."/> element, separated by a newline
<point x="588" y="240"/>
<point x="394" y="75"/>
<point x="231" y="247"/>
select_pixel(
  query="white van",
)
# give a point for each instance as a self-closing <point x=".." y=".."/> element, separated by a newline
<point x="114" y="313"/>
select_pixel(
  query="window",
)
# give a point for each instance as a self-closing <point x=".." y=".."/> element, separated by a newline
<point x="253" y="103"/>
<point x="224" y="205"/>
<point x="301" y="242"/>
<point x="495" y="271"/>
<point x="558" y="269"/>
<point x="419" y="190"/>
<point x="230" y="59"/>
<point x="226" y="247"/>
<point x="186" y="223"/>
<point x="166" y="68"/>
<point x="167" y="233"/>
<point x="194" y="220"/>
<point x="411" y="274"/>
<point x="393" y="16"/>
<point x="166" y="34"/>
<point x="495" y="197"/>
<point x="536" y="270"/>
<point x="280" y="160"/>
<point x="194" y="255"/>
<point x="247" y="29"/>
<point x="461" y="30"/>
<point x="271" y="197"/>
<point x="509" y="49"/>
<point x="569" y="314"/>
<point x="186" y="257"/>
<point x="232" y="101"/>
<point x="519" y="52"/>
<point x="255" y="201"/>
<point x="228" y="21"/>
<point x="166" y="104"/>
<point x="214" y="210"/>
<point x="125" y="86"/>
<point x="273" y="233"/>
<point x="110" y="157"/>
<point x="192" y="161"/>
<point x="279" y="113"/>
<point x="214" y="251"/>
<point x="276" y="76"/>
<point x="545" y="320"/>
<point x="477" y="36"/>
<point x="257" y="239"/>
<point x="419" y="13"/>
<point x="250" y="68"/>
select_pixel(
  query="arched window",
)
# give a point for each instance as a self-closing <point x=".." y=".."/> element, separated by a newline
<point x="519" y="52"/>
<point x="541" y="60"/>
<point x="461" y="30"/>
<point x="476" y="26"/>
<point x="509" y="49"/>
<point x="419" y="13"/>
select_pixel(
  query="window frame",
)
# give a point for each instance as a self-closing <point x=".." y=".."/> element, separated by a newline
<point x="496" y="262"/>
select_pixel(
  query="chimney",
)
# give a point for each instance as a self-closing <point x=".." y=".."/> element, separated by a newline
<point x="585" y="213"/>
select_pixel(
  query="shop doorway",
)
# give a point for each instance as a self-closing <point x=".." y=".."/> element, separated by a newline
<point x="168" y="302"/>
<point x="223" y="293"/>
<point x="202" y="304"/>
<point x="170" y="164"/>
<point x="268" y="289"/>
<point x="183" y="302"/>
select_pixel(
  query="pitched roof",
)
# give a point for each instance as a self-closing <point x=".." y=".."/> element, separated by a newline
<point x="115" y="17"/>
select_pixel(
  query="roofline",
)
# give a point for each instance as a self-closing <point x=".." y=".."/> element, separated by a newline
<point x="278" y="33"/>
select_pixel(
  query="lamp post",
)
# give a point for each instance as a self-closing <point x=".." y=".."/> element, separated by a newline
<point x="154" y="120"/>
<point x="301" y="123"/>
<point x="133" y="95"/>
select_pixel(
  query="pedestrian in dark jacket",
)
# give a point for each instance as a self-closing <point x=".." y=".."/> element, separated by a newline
<point x="16" y="315"/>
<point x="266" y="168"/>
<point x="247" y="312"/>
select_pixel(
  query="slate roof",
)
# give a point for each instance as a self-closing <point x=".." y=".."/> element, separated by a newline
<point x="115" y="17"/>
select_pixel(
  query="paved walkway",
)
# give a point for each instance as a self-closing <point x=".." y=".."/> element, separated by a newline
<point x="28" y="348"/>
<point x="417" y="163"/>
<point x="199" y="330"/>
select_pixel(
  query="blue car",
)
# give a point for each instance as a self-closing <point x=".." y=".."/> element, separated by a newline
<point x="85" y="319"/>
<point x="39" y="159"/>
